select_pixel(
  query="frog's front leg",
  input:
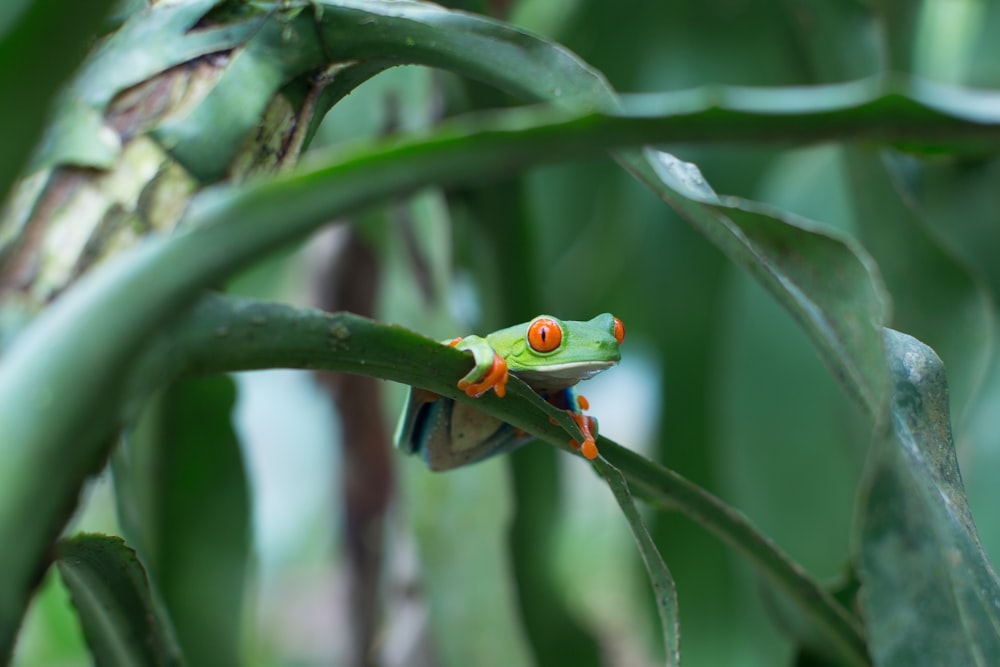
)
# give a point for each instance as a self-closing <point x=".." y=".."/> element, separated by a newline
<point x="489" y="371"/>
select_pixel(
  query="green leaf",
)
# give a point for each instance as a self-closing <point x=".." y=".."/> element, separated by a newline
<point x="182" y="498"/>
<point x="664" y="590"/>
<point x="31" y="71"/>
<point x="824" y="280"/>
<point x="930" y="595"/>
<point x="121" y="620"/>
<point x="238" y="98"/>
<point x="829" y="285"/>
<point x="148" y="44"/>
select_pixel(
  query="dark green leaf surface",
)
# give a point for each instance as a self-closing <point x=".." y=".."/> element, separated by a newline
<point x="931" y="597"/>
<point x="182" y="497"/>
<point x="109" y="589"/>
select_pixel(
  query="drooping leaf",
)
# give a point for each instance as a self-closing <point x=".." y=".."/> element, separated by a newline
<point x="664" y="590"/>
<point x="403" y="356"/>
<point x="826" y="281"/>
<point x="930" y="595"/>
<point x="825" y="626"/>
<point x="121" y="620"/>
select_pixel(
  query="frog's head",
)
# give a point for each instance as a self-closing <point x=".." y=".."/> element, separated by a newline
<point x="551" y="354"/>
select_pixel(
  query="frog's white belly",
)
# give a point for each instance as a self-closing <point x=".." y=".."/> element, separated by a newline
<point x="561" y="376"/>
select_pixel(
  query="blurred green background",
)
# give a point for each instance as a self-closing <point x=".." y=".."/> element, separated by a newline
<point x="528" y="555"/>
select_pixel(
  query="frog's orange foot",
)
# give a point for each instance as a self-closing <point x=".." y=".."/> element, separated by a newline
<point x="587" y="427"/>
<point x="495" y="379"/>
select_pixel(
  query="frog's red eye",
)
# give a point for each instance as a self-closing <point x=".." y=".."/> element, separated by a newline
<point x="544" y="335"/>
<point x="619" y="331"/>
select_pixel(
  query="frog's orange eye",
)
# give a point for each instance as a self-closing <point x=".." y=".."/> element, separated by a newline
<point x="619" y="331"/>
<point x="544" y="335"/>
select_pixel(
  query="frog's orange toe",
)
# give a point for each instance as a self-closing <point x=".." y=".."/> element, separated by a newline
<point x="589" y="447"/>
<point x="495" y="379"/>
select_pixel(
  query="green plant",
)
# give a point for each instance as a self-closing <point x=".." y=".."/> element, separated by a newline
<point x="211" y="104"/>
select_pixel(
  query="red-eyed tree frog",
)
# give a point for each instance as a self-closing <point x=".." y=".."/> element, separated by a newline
<point x="549" y="354"/>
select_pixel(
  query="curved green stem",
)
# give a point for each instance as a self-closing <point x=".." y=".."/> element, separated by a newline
<point x="62" y="381"/>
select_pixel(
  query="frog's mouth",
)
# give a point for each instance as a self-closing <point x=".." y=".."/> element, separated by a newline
<point x="561" y="376"/>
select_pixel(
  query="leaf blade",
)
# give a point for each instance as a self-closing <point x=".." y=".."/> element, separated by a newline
<point x="109" y="588"/>
<point x="664" y="589"/>
<point x="930" y="593"/>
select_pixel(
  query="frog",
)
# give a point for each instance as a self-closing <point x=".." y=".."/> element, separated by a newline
<point x="549" y="354"/>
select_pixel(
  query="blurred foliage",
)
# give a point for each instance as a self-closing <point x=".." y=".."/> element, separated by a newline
<point x="526" y="559"/>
